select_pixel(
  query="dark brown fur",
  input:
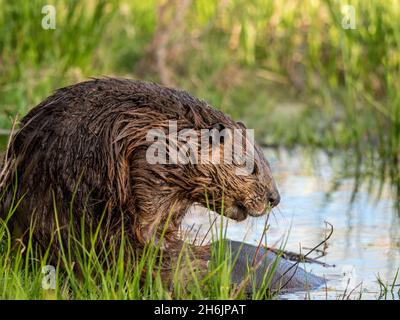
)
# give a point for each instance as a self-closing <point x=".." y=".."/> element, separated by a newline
<point x="88" y="142"/>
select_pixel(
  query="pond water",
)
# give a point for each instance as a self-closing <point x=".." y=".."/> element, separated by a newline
<point x="365" y="243"/>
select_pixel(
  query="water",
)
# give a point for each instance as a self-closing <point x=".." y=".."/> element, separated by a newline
<point x="366" y="240"/>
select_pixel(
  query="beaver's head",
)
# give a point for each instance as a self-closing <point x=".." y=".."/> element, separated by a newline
<point x="189" y="167"/>
<point x="219" y="167"/>
<point x="240" y="188"/>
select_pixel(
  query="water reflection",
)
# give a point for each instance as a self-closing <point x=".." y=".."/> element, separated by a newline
<point x="316" y="188"/>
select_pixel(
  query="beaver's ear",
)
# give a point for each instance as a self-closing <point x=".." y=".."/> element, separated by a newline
<point x="241" y="124"/>
<point x="217" y="126"/>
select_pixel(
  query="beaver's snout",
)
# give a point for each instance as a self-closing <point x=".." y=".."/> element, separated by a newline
<point x="239" y="212"/>
<point x="274" y="198"/>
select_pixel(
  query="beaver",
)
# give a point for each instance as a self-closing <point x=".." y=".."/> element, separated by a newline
<point x="87" y="143"/>
<point x="82" y="152"/>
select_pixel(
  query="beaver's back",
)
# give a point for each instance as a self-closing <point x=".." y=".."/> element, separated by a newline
<point x="111" y="95"/>
<point x="85" y="108"/>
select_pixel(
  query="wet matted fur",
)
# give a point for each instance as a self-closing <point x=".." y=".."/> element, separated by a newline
<point x="86" y="144"/>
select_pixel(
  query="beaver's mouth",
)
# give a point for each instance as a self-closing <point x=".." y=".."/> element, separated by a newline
<point x="237" y="212"/>
<point x="258" y="214"/>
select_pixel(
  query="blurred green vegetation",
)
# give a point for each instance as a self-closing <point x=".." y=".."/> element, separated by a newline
<point x="288" y="69"/>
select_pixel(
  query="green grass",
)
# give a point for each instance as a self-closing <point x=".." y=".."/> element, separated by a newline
<point x="87" y="267"/>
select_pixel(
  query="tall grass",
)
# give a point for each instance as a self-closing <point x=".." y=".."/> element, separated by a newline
<point x="87" y="266"/>
<point x="34" y="61"/>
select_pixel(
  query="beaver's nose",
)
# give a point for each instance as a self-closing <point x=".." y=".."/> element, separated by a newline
<point x="274" y="198"/>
